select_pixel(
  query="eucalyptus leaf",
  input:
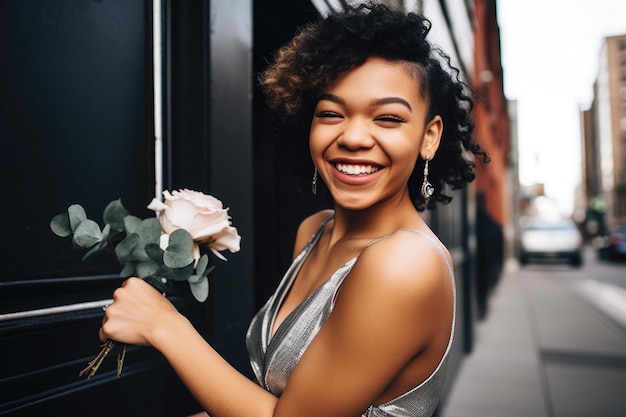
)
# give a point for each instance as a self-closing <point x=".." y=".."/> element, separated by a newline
<point x="139" y="254"/>
<point x="195" y="278"/>
<point x="167" y="273"/>
<point x="202" y="264"/>
<point x="181" y="237"/>
<point x="200" y="290"/>
<point x="146" y="268"/>
<point x="106" y="231"/>
<point x="154" y="252"/>
<point x="149" y="230"/>
<point x="87" y="234"/>
<point x="114" y="214"/>
<point x="182" y="274"/>
<point x="209" y="270"/>
<point x="177" y="256"/>
<point x="131" y="223"/>
<point x="125" y="248"/>
<point x="92" y="252"/>
<point x="128" y="270"/>
<point x="60" y="225"/>
<point x="77" y="215"/>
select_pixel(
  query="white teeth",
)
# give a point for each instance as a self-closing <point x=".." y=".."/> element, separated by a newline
<point x="356" y="169"/>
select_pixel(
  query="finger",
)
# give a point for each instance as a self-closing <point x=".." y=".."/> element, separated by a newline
<point x="101" y="335"/>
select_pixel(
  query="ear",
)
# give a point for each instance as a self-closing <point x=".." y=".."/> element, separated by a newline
<point x="432" y="137"/>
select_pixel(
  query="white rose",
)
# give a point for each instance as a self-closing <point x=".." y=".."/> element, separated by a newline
<point x="203" y="216"/>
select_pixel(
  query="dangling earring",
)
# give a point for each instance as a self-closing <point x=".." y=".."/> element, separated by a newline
<point x="314" y="183"/>
<point x="427" y="189"/>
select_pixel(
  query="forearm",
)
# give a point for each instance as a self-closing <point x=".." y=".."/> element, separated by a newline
<point x="219" y="388"/>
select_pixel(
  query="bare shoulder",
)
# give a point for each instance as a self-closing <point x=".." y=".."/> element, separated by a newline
<point x="408" y="257"/>
<point x="308" y="226"/>
<point x="406" y="268"/>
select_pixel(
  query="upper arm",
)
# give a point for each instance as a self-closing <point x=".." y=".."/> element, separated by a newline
<point x="394" y="307"/>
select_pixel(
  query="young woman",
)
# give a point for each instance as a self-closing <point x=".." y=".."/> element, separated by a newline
<point x="362" y="322"/>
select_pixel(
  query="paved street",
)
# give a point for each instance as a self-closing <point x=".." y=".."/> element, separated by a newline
<point x="552" y="345"/>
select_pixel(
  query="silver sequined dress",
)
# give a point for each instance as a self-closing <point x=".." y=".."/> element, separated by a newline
<point x="273" y="358"/>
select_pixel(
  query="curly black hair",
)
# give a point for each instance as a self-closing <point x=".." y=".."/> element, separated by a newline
<point x="323" y="50"/>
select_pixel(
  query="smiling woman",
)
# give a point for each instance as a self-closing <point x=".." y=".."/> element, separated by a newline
<point x="362" y="322"/>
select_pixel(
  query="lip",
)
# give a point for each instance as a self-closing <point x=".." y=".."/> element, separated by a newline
<point x="355" y="179"/>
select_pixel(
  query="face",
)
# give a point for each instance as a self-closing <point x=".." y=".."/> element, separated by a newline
<point x="367" y="131"/>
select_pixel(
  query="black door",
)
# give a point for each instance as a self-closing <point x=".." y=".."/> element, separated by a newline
<point x="76" y="125"/>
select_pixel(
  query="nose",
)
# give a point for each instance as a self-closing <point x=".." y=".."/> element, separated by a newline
<point x="355" y="135"/>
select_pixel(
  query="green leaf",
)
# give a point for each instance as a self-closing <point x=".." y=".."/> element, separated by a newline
<point x="183" y="274"/>
<point x="131" y="223"/>
<point x="167" y="273"/>
<point x="146" y="268"/>
<point x="154" y="252"/>
<point x="181" y="237"/>
<point x="193" y="279"/>
<point x="114" y="214"/>
<point x="128" y="270"/>
<point x="179" y="251"/>
<point x="202" y="264"/>
<point x="98" y="248"/>
<point x="126" y="247"/>
<point x="177" y="256"/>
<point x="60" y="225"/>
<point x="77" y="215"/>
<point x="87" y="234"/>
<point x="106" y="231"/>
<point x="149" y="230"/>
<point x="92" y="253"/>
<point x="200" y="289"/>
<point x="139" y="254"/>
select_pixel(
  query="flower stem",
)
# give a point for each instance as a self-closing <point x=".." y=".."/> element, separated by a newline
<point x="93" y="366"/>
<point x="120" y="361"/>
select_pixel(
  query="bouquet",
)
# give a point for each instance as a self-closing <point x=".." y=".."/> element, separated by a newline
<point x="157" y="249"/>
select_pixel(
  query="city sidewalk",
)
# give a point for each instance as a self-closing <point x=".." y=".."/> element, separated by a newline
<point x="541" y="352"/>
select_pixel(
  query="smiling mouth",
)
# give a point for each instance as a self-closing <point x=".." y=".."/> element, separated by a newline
<point x="356" y="169"/>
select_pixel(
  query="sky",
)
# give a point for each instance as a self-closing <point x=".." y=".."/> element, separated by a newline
<point x="550" y="51"/>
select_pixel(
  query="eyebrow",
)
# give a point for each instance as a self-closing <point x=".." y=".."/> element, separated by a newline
<point x="376" y="102"/>
<point x="390" y="100"/>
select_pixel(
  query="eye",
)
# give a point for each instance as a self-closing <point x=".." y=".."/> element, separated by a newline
<point x="390" y="119"/>
<point x="327" y="115"/>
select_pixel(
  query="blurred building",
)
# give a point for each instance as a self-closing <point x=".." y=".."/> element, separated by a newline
<point x="604" y="140"/>
<point x="493" y="130"/>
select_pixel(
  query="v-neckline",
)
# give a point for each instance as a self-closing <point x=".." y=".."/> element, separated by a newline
<point x="301" y="259"/>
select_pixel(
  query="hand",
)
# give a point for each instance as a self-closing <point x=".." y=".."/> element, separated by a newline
<point x="137" y="313"/>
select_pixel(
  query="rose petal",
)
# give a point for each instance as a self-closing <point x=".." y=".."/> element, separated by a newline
<point x="195" y="252"/>
<point x="205" y="225"/>
<point x="180" y="213"/>
<point x="199" y="199"/>
<point x="219" y="255"/>
<point x="157" y="206"/>
<point x="228" y="238"/>
<point x="168" y="225"/>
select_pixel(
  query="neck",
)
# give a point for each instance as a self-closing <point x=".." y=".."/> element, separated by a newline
<point x="375" y="221"/>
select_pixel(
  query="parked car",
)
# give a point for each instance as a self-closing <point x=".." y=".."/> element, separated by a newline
<point x="551" y="240"/>
<point x="613" y="246"/>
